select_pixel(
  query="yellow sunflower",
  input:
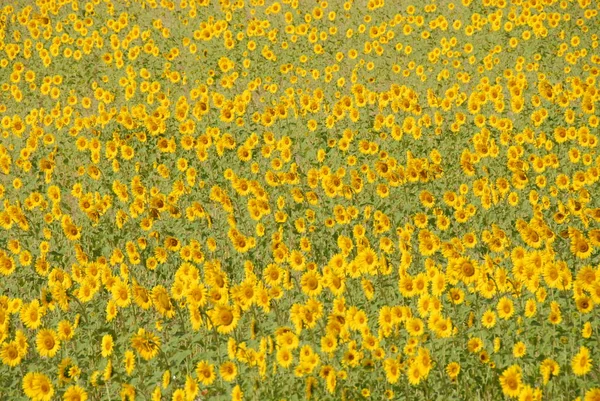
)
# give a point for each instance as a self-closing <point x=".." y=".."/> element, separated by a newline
<point x="581" y="362"/>
<point x="228" y="371"/>
<point x="225" y="318"/>
<point x="47" y="343"/>
<point x="38" y="386"/>
<point x="75" y="393"/>
<point x="510" y="380"/>
<point x="206" y="373"/>
<point x="10" y="354"/>
<point x="146" y="344"/>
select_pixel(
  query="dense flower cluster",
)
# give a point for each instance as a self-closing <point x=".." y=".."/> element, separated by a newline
<point x="276" y="200"/>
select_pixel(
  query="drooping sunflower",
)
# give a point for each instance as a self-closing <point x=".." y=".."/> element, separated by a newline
<point x="141" y="296"/>
<point x="64" y="367"/>
<point x="162" y="301"/>
<point x="548" y="368"/>
<point x="146" y="344"/>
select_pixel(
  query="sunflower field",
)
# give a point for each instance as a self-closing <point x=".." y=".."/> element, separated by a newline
<point x="299" y="200"/>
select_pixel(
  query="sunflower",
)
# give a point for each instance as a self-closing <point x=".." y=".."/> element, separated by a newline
<point x="505" y="308"/>
<point x="443" y="328"/>
<point x="64" y="367"/>
<point x="415" y="327"/>
<point x="162" y="301"/>
<point x="75" y="393"/>
<point x="273" y="275"/>
<point x="465" y="270"/>
<point x="47" y="343"/>
<point x="584" y="304"/>
<point x="592" y="394"/>
<point x="191" y="387"/>
<point x="129" y="362"/>
<point x="146" y="344"/>
<point x="311" y="283"/>
<point x="581" y="363"/>
<point x="555" y="317"/>
<point x="237" y="394"/>
<point x="453" y="369"/>
<point x="31" y="314"/>
<point x="21" y="342"/>
<point x="475" y="345"/>
<point x="107" y="345"/>
<point x="297" y="260"/>
<point x="10" y="354"/>
<point x="406" y="286"/>
<point x="284" y="357"/>
<point x="72" y="232"/>
<point x="456" y="295"/>
<point x="205" y="372"/>
<point x="225" y="318"/>
<point x="424" y="360"/>
<point x="549" y="367"/>
<point x="414" y="373"/>
<point x="392" y="370"/>
<point x="580" y="247"/>
<point x="328" y="344"/>
<point x="38" y="386"/>
<point x="166" y="379"/>
<point x="127" y="392"/>
<point x="141" y="296"/>
<point x="178" y="395"/>
<point x="228" y="371"/>
<point x="108" y="371"/>
<point x="510" y="380"/>
<point x="330" y="380"/>
<point x="586" y="331"/>
<point x="519" y="349"/>
<point x="488" y="320"/>
<point x="367" y="261"/>
<point x="197" y="295"/>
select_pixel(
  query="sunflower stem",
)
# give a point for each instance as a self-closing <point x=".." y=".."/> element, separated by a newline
<point x="107" y="391"/>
